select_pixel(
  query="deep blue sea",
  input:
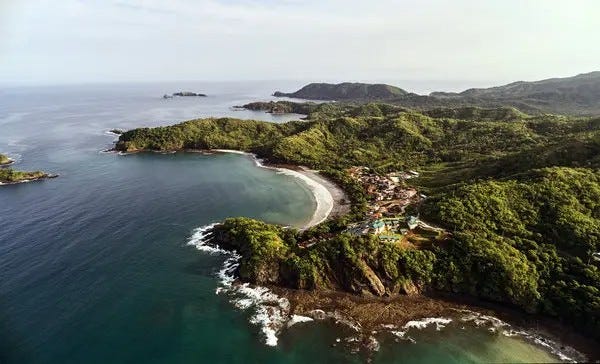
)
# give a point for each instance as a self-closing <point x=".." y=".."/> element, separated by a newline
<point x="95" y="265"/>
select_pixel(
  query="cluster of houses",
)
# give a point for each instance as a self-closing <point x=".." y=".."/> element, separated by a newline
<point x="386" y="228"/>
<point x="390" y="195"/>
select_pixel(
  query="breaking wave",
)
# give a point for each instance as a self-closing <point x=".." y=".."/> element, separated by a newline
<point x="268" y="311"/>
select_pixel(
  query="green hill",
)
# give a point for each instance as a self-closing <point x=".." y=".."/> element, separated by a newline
<point x="570" y="95"/>
<point x="520" y="195"/>
<point x="578" y="95"/>
<point x="344" y="91"/>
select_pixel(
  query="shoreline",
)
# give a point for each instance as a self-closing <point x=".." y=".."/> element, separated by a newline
<point x="331" y="200"/>
<point x="273" y="309"/>
<point x="376" y="315"/>
<point x="49" y="176"/>
<point x="328" y="196"/>
<point x="373" y="314"/>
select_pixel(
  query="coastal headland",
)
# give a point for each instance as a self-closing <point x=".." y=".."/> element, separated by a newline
<point x="437" y="203"/>
<point x="9" y="176"/>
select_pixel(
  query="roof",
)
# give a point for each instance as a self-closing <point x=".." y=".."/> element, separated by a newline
<point x="412" y="219"/>
<point x="377" y="224"/>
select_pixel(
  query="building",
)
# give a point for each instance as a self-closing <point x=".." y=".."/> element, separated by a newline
<point x="412" y="222"/>
<point x="378" y="227"/>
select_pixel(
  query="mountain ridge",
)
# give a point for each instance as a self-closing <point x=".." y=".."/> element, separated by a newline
<point x="576" y="95"/>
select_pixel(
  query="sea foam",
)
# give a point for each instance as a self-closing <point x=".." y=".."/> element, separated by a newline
<point x="323" y="197"/>
<point x="269" y="311"/>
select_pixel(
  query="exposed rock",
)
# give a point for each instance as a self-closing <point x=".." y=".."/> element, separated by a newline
<point x="188" y="93"/>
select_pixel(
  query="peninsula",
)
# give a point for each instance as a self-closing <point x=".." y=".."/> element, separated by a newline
<point x="577" y="95"/>
<point x="488" y="203"/>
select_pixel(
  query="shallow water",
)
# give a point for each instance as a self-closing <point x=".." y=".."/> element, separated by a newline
<point x="95" y="265"/>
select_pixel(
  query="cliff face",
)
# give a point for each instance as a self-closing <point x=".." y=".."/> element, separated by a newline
<point x="270" y="255"/>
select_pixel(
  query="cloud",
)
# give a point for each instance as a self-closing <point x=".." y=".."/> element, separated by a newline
<point x="84" y="40"/>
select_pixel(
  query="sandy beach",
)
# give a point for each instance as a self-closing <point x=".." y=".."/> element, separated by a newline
<point x="330" y="199"/>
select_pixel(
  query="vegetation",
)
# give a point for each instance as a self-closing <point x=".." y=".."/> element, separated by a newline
<point x="281" y="107"/>
<point x="4" y="160"/>
<point x="9" y="175"/>
<point x="520" y="195"/>
<point x="578" y="95"/>
<point x="528" y="241"/>
<point x="344" y="91"/>
<point x="271" y="255"/>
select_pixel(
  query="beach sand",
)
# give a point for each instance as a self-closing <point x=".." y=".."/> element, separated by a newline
<point x="331" y="200"/>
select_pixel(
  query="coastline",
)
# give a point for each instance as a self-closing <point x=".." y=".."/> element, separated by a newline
<point x="48" y="176"/>
<point x="329" y="198"/>
<point x="371" y="316"/>
<point x="276" y="308"/>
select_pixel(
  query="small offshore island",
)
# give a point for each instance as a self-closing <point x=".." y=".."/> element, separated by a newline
<point x="492" y="204"/>
<point x="8" y="176"/>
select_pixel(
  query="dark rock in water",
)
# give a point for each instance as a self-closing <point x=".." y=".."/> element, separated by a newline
<point x="188" y="93"/>
<point x="116" y="131"/>
<point x="165" y="96"/>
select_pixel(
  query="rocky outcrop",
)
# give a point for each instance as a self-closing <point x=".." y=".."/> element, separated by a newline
<point x="11" y="177"/>
<point x="5" y="161"/>
<point x="280" y="107"/>
<point x="188" y="93"/>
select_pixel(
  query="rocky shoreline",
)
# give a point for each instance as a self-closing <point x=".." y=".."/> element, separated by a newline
<point x="372" y="315"/>
<point x="35" y="179"/>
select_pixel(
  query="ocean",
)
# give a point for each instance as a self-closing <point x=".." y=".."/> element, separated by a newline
<point x="105" y="264"/>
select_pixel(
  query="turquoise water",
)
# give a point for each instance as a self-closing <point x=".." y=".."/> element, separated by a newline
<point x="95" y="266"/>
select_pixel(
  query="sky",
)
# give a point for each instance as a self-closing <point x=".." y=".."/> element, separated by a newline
<point x="477" y="41"/>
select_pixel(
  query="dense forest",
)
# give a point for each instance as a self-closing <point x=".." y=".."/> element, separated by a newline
<point x="520" y="195"/>
<point x="577" y="95"/>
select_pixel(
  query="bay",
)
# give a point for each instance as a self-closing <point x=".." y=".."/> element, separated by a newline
<point x="95" y="265"/>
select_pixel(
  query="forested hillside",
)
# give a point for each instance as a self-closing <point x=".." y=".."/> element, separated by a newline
<point x="519" y="194"/>
<point x="577" y="95"/>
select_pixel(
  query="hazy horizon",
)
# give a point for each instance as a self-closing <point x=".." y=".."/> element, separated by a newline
<point x="454" y="45"/>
